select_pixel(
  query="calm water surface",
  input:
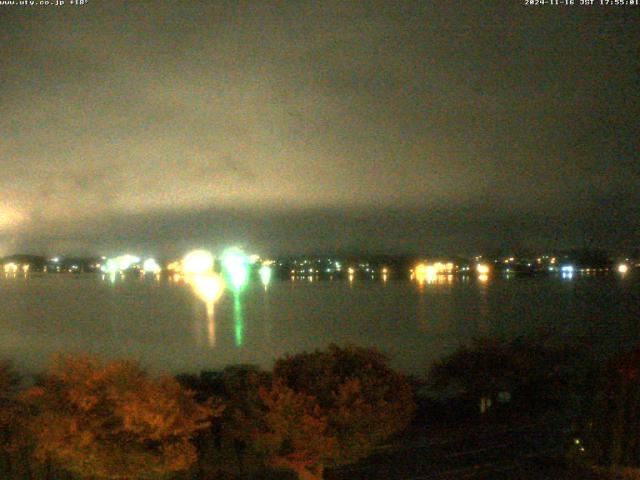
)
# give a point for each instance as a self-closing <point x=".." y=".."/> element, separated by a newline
<point x="162" y="324"/>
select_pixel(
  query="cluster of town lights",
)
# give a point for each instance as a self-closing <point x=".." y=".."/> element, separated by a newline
<point x="236" y="266"/>
<point x="12" y="267"/>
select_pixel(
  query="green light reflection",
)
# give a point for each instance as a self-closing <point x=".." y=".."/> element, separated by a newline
<point x="238" y="321"/>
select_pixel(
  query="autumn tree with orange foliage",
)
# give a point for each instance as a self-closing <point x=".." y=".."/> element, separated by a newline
<point x="111" y="421"/>
<point x="329" y="408"/>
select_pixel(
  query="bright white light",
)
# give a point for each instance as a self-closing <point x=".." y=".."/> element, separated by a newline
<point x="197" y="262"/>
<point x="110" y="266"/>
<point x="208" y="287"/>
<point x="567" y="269"/>
<point x="235" y="264"/>
<point x="10" y="267"/>
<point x="623" y="268"/>
<point x="265" y="274"/>
<point x="482" y="269"/>
<point x="151" y="266"/>
<point x="125" y="262"/>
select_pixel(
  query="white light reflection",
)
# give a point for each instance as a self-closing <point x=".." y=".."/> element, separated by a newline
<point x="265" y="275"/>
<point x="208" y="287"/>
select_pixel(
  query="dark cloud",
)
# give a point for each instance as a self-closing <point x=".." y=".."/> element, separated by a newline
<point x="175" y="122"/>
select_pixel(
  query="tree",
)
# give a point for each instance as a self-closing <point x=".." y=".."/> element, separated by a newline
<point x="12" y="417"/>
<point x="524" y="370"/>
<point x="111" y="421"/>
<point x="613" y="426"/>
<point x="329" y="408"/>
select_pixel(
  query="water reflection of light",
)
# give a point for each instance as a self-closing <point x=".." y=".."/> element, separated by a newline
<point x="424" y="273"/>
<point x="567" y="275"/>
<point x="208" y="287"/>
<point x="238" y="321"/>
<point x="211" y="325"/>
<point x="265" y="275"/>
<point x="421" y="314"/>
<point x="483" y="278"/>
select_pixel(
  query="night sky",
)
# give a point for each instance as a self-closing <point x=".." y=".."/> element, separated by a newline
<point x="295" y="127"/>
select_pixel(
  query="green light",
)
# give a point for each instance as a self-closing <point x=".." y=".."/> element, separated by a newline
<point x="265" y="274"/>
<point x="238" y="321"/>
<point x="111" y="266"/>
<point x="235" y="265"/>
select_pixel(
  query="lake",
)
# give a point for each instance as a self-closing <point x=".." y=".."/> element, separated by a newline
<point x="168" y="329"/>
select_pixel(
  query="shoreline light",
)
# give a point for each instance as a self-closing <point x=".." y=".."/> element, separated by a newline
<point x="151" y="266"/>
<point x="10" y="267"/>
<point x="236" y="265"/>
<point x="197" y="262"/>
<point x="482" y="269"/>
<point x="265" y="274"/>
<point x="623" y="268"/>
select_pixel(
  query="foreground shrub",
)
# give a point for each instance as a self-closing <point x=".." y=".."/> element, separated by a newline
<point x="111" y="421"/>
